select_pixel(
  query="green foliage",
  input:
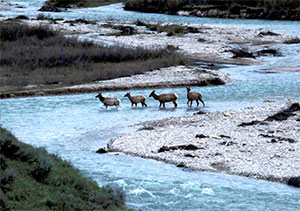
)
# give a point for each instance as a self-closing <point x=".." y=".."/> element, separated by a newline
<point x="232" y="6"/>
<point x="160" y="6"/>
<point x="42" y="170"/>
<point x="108" y="196"/>
<point x="44" y="181"/>
<point x="6" y="180"/>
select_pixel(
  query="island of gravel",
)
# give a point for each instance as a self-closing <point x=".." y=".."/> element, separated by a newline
<point x="257" y="142"/>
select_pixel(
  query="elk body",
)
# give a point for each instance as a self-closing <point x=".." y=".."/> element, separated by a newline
<point x="164" y="98"/>
<point x="136" y="99"/>
<point x="191" y="96"/>
<point x="108" y="101"/>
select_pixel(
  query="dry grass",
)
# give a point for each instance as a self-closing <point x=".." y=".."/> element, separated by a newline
<point x="40" y="55"/>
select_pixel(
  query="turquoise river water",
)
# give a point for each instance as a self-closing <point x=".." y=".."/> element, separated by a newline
<point x="75" y="126"/>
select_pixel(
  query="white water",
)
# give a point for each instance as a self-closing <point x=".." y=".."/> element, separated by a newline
<point x="75" y="126"/>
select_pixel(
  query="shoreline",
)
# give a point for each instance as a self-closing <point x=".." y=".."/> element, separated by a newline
<point x="178" y="76"/>
<point x="213" y="142"/>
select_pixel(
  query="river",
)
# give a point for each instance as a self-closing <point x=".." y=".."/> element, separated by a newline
<point x="75" y="126"/>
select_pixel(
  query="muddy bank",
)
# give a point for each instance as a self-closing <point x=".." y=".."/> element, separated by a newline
<point x="254" y="142"/>
<point x="164" y="78"/>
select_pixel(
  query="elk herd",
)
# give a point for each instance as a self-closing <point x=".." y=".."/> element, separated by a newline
<point x="162" y="98"/>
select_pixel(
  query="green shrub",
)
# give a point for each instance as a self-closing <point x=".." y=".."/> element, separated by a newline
<point x="42" y="170"/>
<point x="8" y="146"/>
<point x="7" y="179"/>
<point x="110" y="196"/>
<point x="3" y="202"/>
<point x="69" y="202"/>
<point x="3" y="162"/>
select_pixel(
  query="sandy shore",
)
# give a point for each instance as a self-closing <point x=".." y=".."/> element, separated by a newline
<point x="215" y="142"/>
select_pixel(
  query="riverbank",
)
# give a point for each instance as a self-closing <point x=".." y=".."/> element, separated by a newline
<point x="164" y="78"/>
<point x="53" y="183"/>
<point x="240" y="142"/>
<point x="209" y="44"/>
<point x="256" y="9"/>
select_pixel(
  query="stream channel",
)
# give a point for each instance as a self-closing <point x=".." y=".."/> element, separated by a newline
<point x="75" y="126"/>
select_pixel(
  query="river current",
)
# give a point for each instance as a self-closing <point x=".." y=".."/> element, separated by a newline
<point x="75" y="126"/>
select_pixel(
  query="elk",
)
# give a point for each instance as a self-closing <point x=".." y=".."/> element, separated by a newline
<point x="136" y="99"/>
<point x="191" y="96"/>
<point x="108" y="101"/>
<point x="164" y="98"/>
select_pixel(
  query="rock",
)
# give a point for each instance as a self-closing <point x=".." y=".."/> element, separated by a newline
<point x="294" y="181"/>
<point x="255" y="122"/>
<point x="22" y="17"/>
<point x="199" y="113"/>
<point x="275" y="139"/>
<point x="180" y="147"/>
<point x="192" y="30"/>
<point x="48" y="8"/>
<point x="266" y="52"/>
<point x="267" y="33"/>
<point x="241" y="53"/>
<point x="180" y="165"/>
<point x="146" y="128"/>
<point x="127" y="30"/>
<point x="101" y="151"/>
<point x="227" y="143"/>
<point x="201" y="136"/>
<point x="189" y="156"/>
<point x="285" y="113"/>
<point x="224" y="136"/>
<point x="201" y="40"/>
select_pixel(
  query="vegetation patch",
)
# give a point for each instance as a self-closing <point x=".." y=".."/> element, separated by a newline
<point x="81" y="3"/>
<point x="42" y="56"/>
<point x="170" y="29"/>
<point x="255" y="9"/>
<point x="32" y="179"/>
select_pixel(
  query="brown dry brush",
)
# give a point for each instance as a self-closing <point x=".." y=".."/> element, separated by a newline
<point x="40" y="55"/>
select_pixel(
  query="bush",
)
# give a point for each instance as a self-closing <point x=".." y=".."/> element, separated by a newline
<point x="3" y="162"/>
<point x="27" y="153"/>
<point x="109" y="197"/>
<point x="13" y="30"/>
<point x="8" y="146"/>
<point x="69" y="202"/>
<point x="65" y="3"/>
<point x="7" y="179"/>
<point x="42" y="170"/>
<point x="3" y="202"/>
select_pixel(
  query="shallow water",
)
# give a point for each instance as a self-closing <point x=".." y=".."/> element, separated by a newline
<point x="75" y="126"/>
